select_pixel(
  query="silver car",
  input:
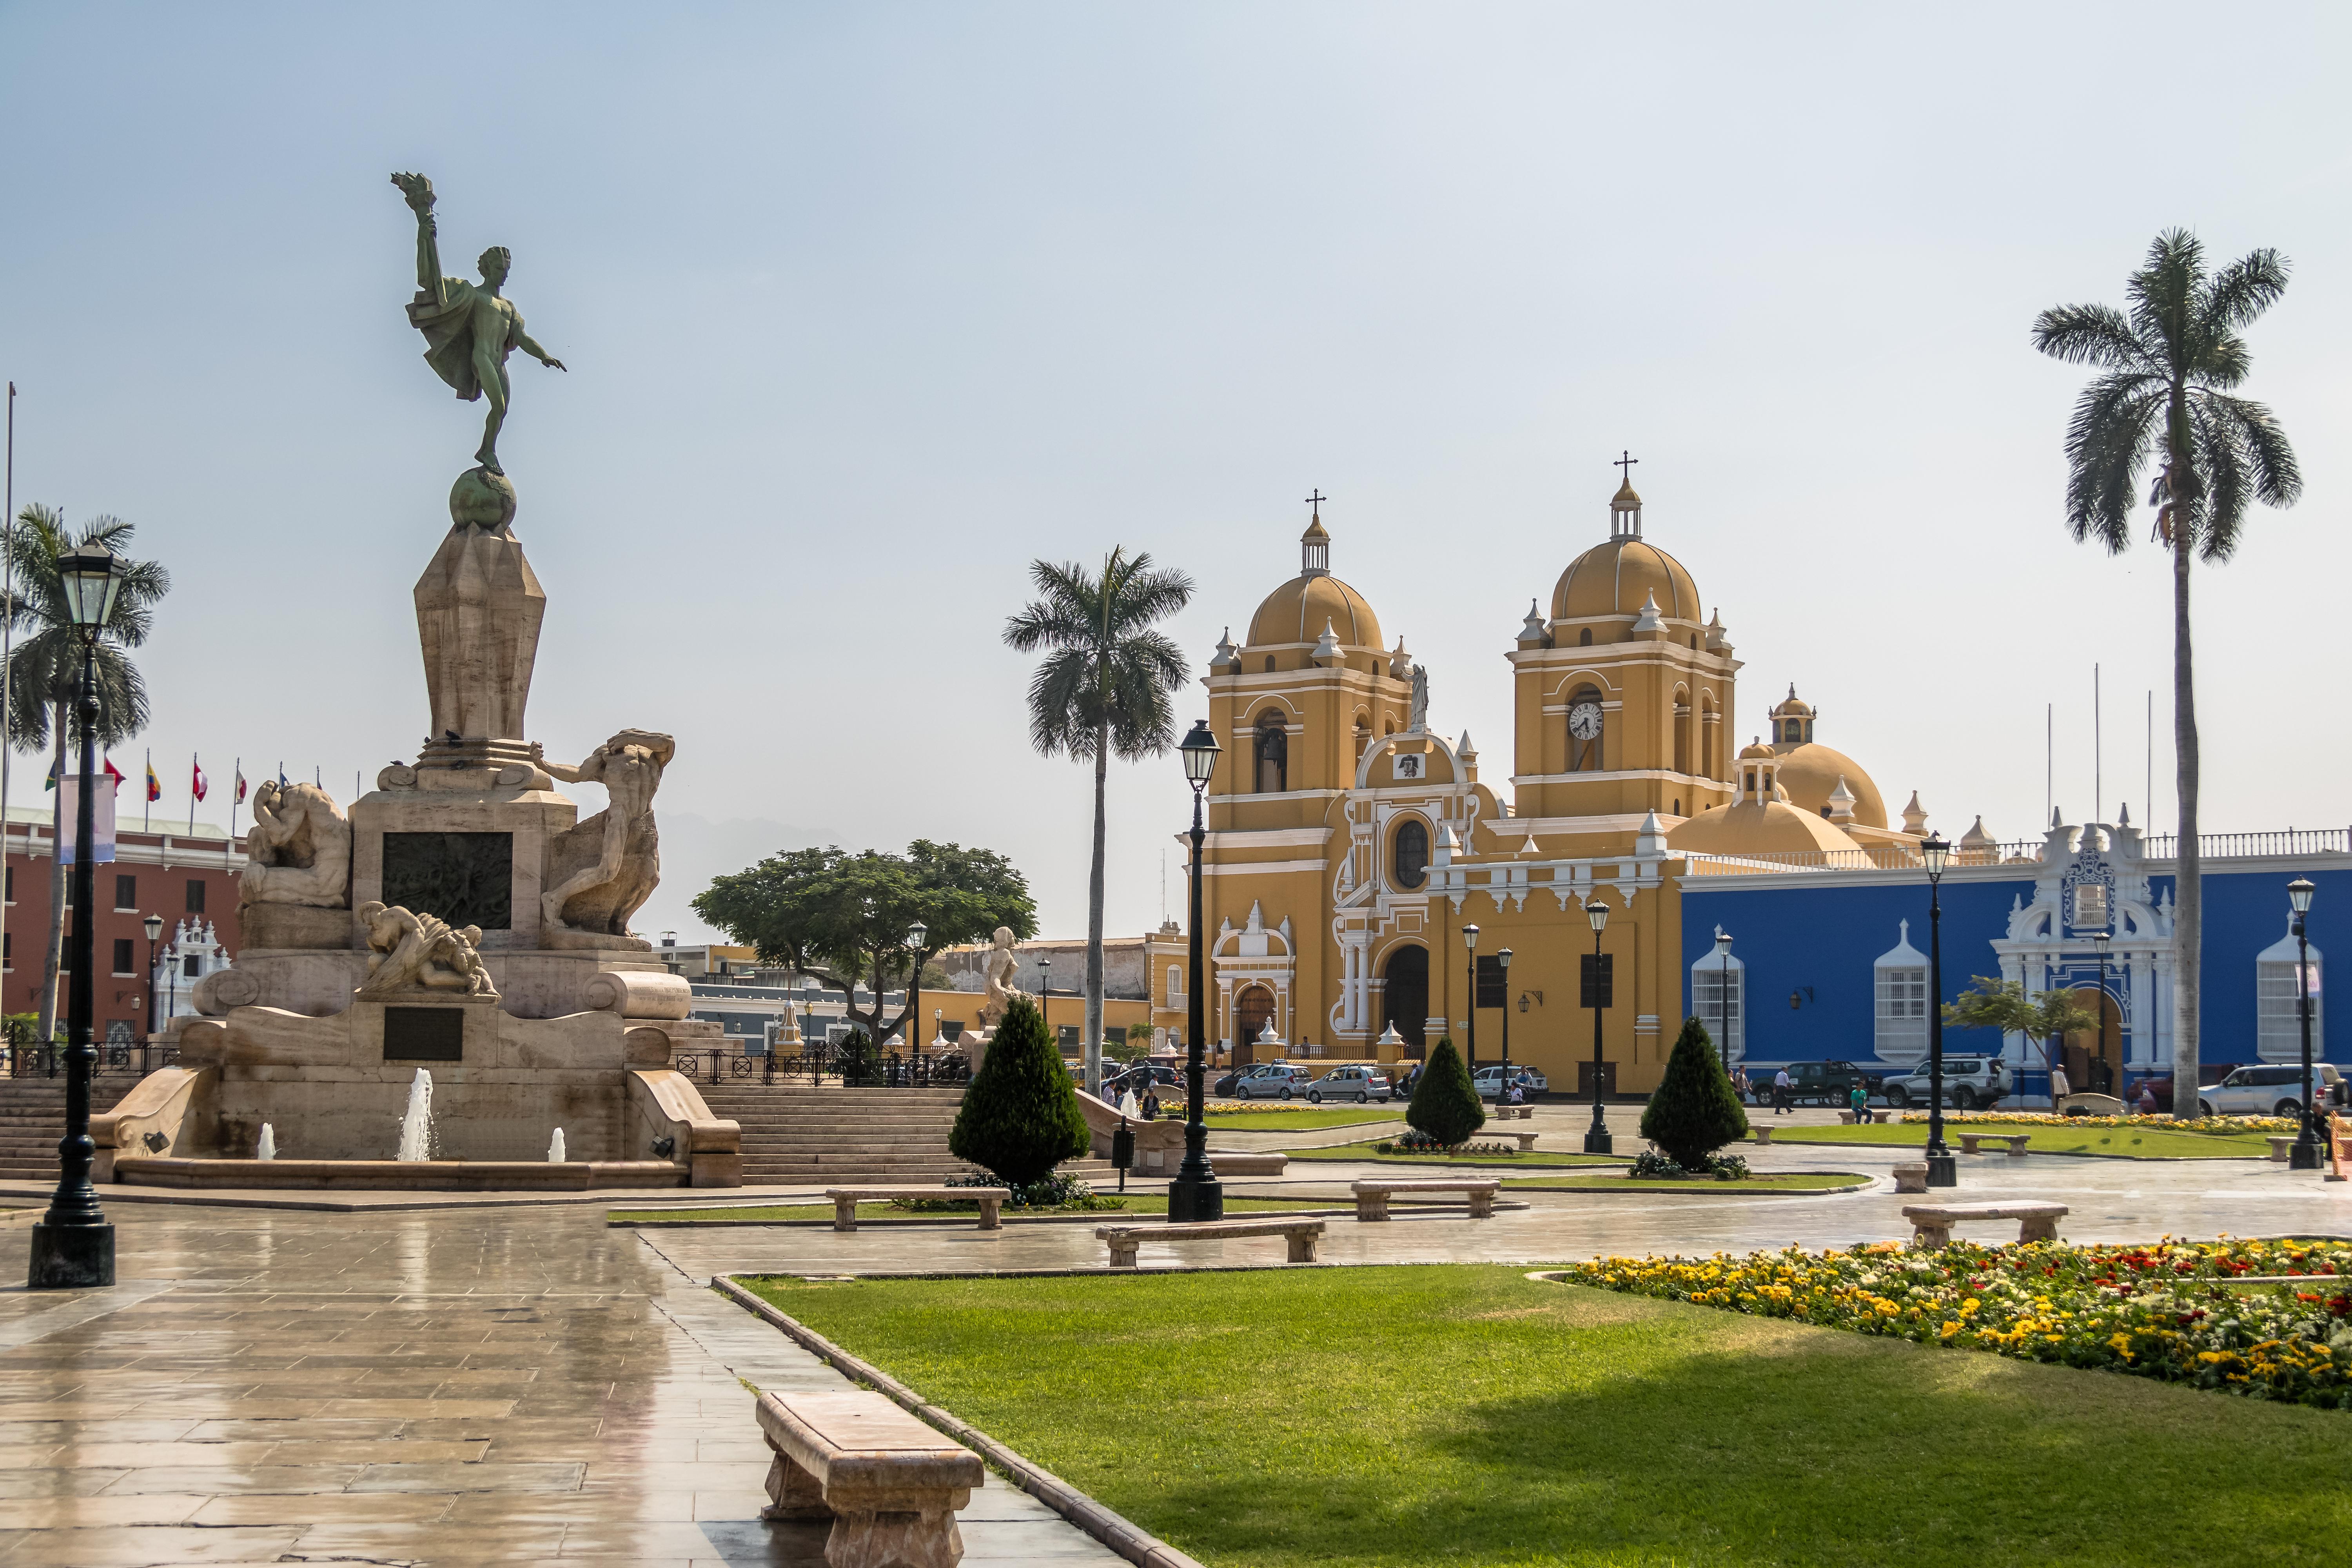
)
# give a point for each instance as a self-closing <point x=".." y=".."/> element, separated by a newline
<point x="1490" y="1080"/>
<point x="1357" y="1083"/>
<point x="2265" y="1090"/>
<point x="1275" y="1080"/>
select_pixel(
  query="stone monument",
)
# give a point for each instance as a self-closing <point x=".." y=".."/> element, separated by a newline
<point x="462" y="915"/>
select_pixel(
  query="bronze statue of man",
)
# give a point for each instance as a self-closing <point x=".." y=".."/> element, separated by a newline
<point x="469" y="329"/>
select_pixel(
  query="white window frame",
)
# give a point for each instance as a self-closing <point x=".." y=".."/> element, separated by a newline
<point x="1706" y="1008"/>
<point x="1900" y="1013"/>
<point x="2278" y="1021"/>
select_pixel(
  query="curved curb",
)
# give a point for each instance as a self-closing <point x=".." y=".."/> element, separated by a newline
<point x="1129" y="1540"/>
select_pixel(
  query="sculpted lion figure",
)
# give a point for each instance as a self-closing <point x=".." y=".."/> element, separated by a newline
<point x="411" y="952"/>
<point x="299" y="849"/>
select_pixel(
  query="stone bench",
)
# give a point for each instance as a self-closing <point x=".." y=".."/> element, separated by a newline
<point x="2016" y="1142"/>
<point x="1506" y="1112"/>
<point x="1932" y="1226"/>
<point x="1301" y="1234"/>
<point x="1248" y="1163"/>
<point x="1911" y="1176"/>
<point x="1526" y="1141"/>
<point x="1845" y="1117"/>
<point x="847" y="1199"/>
<point x="1763" y="1135"/>
<point x="890" y="1484"/>
<point x="2281" y="1143"/>
<point x="1372" y="1196"/>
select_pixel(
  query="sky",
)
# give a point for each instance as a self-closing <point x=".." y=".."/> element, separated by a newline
<point x="865" y="309"/>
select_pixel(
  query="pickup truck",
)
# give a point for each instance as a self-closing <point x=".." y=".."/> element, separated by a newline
<point x="1814" y="1083"/>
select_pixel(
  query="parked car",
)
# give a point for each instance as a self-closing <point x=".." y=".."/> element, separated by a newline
<point x="2265" y="1090"/>
<point x="1490" y="1080"/>
<point x="1818" y="1083"/>
<point x="1971" y="1083"/>
<point x="1223" y="1086"/>
<point x="1357" y="1083"/>
<point x="1166" y="1079"/>
<point x="1273" y="1081"/>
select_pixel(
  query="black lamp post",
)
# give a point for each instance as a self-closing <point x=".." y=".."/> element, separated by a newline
<point x="1502" y="1084"/>
<point x="2304" y="1155"/>
<point x="1596" y="1138"/>
<point x="1470" y="946"/>
<point x="1723" y="999"/>
<point x="154" y="924"/>
<point x="2099" y="940"/>
<point x="1195" y="1193"/>
<point x="1045" y="1002"/>
<point x="1943" y="1171"/>
<point x="915" y="935"/>
<point x="73" y="1246"/>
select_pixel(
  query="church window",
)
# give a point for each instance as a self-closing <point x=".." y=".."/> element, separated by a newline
<point x="1825" y="811"/>
<point x="1409" y="855"/>
<point x="1363" y="738"/>
<point x="1791" y="732"/>
<point x="1584" y="637"/>
<point x="1693" y="642"/>
<point x="1719" y="995"/>
<point x="1678" y="806"/>
<point x="1682" y="737"/>
<point x="1273" y="750"/>
<point x="1175" y="985"/>
<point x="1899" y="1013"/>
<point x="2091" y="905"/>
<point x="1269" y="664"/>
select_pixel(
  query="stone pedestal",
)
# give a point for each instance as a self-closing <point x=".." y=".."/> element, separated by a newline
<point x="478" y="608"/>
<point x="474" y="858"/>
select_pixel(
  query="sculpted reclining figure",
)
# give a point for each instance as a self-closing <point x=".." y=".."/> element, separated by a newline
<point x="420" y="953"/>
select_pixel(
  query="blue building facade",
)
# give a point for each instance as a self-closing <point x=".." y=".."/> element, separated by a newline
<point x="1833" y="963"/>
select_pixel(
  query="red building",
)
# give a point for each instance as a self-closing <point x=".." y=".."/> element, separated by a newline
<point x="172" y="872"/>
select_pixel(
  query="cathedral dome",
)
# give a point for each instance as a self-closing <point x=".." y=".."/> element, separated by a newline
<point x="1810" y="774"/>
<point x="1298" y="611"/>
<point x="1615" y="578"/>
<point x="1756" y="827"/>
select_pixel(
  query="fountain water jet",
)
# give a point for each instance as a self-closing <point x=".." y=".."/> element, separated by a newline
<point x="555" y="1148"/>
<point x="268" y="1148"/>
<point x="416" y="1121"/>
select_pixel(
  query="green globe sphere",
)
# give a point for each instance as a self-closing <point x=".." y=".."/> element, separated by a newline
<point x="481" y="498"/>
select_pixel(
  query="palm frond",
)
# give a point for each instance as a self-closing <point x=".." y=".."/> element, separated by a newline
<point x="2249" y="286"/>
<point x="2107" y="444"/>
<point x="2090" y="334"/>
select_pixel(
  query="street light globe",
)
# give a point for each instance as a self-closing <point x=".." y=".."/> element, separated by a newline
<point x="1598" y="913"/>
<point x="1470" y="938"/>
<point x="1722" y="942"/>
<point x="92" y="576"/>
<point x="2299" y="895"/>
<point x="1199" y="751"/>
<point x="1934" y="850"/>
<point x="154" y="924"/>
<point x="1503" y="958"/>
<point x="916" y="933"/>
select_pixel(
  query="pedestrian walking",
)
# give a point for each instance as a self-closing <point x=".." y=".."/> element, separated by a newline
<point x="1782" y="1086"/>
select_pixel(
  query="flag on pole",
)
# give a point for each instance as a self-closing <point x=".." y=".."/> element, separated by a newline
<point x="57" y="771"/>
<point x="154" y="785"/>
<point x="240" y="782"/>
<point x="198" y="783"/>
<point x="114" y="773"/>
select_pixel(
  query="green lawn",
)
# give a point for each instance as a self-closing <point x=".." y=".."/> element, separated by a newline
<point x="1534" y="1159"/>
<point x="1139" y="1200"/>
<point x="1470" y="1416"/>
<point x="1772" y="1182"/>
<point x="1306" y="1119"/>
<point x="2122" y="1143"/>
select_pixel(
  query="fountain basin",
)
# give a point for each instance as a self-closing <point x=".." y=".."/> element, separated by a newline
<point x="400" y="1175"/>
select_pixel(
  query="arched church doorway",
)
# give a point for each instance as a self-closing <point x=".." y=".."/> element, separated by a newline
<point x="1405" y="996"/>
<point x="2093" y="1057"/>
<point x="1252" y="1008"/>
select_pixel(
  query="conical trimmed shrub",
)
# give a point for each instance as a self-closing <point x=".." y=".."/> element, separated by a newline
<point x="1445" y="1102"/>
<point x="1693" y="1112"/>
<point x="1020" y="1116"/>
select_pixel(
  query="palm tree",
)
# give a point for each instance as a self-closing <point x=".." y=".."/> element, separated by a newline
<point x="45" y="666"/>
<point x="1104" y="687"/>
<point x="2168" y="366"/>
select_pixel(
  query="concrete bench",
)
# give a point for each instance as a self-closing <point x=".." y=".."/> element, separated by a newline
<point x="1372" y="1196"/>
<point x="1932" y="1226"/>
<point x="1506" y="1112"/>
<point x="2281" y="1143"/>
<point x="1301" y="1234"/>
<point x="1249" y="1163"/>
<point x="890" y="1484"/>
<point x="1845" y="1117"/>
<point x="1911" y="1176"/>
<point x="1526" y="1141"/>
<point x="2016" y="1142"/>
<point x="1763" y="1134"/>
<point x="847" y="1199"/>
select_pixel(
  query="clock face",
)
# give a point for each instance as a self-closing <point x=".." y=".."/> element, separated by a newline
<point x="1584" y="720"/>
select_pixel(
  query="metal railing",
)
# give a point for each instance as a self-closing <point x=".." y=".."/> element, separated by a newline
<point x="2286" y="843"/>
<point x="2245" y="846"/>
<point x="114" y="1060"/>
<point x="890" y="1069"/>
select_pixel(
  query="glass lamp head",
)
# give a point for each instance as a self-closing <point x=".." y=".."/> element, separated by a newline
<point x="1199" y="751"/>
<point x="1470" y="938"/>
<point x="1936" y="853"/>
<point x="2299" y="895"/>
<point x="1722" y="942"/>
<point x="916" y="933"/>
<point x="92" y="576"/>
<point x="154" y="924"/>
<point x="1503" y="958"/>
<point x="1598" y="913"/>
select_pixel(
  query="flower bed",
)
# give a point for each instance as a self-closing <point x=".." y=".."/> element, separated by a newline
<point x="2194" y="1124"/>
<point x="1652" y="1165"/>
<point x="2166" y="1311"/>
<point x="1422" y="1144"/>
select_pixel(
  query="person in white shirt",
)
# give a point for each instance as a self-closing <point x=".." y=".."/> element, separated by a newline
<point x="1781" y="1085"/>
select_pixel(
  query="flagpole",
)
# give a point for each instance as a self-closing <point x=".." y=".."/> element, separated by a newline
<point x="195" y="767"/>
<point x="146" y="795"/>
<point x="7" y="651"/>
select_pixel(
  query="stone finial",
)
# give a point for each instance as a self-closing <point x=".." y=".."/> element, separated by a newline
<point x="1976" y="837"/>
<point x="1915" y="816"/>
<point x="1842" y="799"/>
<point x="1399" y="667"/>
<point x="1649" y="620"/>
<point x="1327" y="647"/>
<point x="1467" y="749"/>
<point x="1532" y="631"/>
<point x="1226" y="657"/>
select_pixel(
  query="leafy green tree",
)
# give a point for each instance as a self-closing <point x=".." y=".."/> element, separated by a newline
<point x="1444" y="1104"/>
<point x="1020" y="1116"/>
<point x="1694" y="1111"/>
<point x="45" y="668"/>
<point x="1104" y="687"/>
<point x="843" y="919"/>
<point x="2169" y="366"/>
<point x="1993" y="1003"/>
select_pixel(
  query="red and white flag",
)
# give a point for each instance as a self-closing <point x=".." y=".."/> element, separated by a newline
<point x="240" y="783"/>
<point x="199" y="783"/>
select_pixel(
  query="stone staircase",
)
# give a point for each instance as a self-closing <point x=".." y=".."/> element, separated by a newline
<point x="804" y="1136"/>
<point x="33" y="1118"/>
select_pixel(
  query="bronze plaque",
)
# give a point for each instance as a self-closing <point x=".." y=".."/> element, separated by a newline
<point x="424" y="1034"/>
<point x="466" y="879"/>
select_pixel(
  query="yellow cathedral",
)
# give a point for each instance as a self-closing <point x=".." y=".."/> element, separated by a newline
<point x="1350" y="843"/>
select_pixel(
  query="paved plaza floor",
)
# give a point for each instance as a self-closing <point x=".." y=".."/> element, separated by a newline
<point x="474" y="1381"/>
